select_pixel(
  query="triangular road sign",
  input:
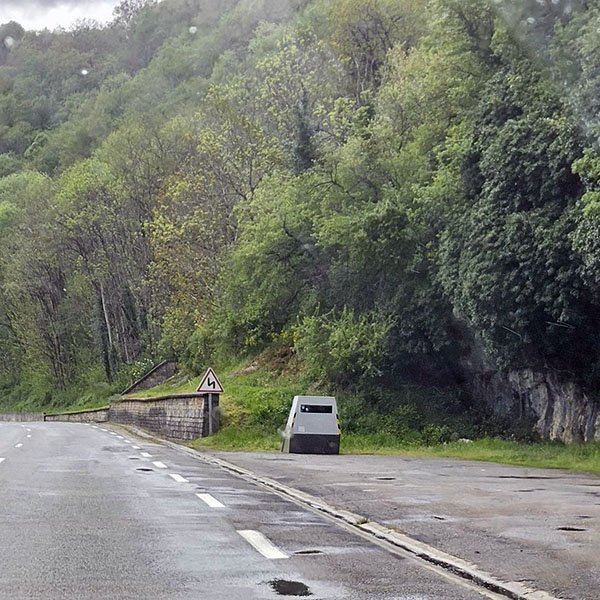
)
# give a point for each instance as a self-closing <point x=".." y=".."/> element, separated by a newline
<point x="210" y="384"/>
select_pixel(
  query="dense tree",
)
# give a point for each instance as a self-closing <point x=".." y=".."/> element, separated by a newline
<point x="372" y="184"/>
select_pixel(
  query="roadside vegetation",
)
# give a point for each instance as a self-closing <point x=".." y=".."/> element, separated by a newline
<point x="256" y="404"/>
<point x="395" y="197"/>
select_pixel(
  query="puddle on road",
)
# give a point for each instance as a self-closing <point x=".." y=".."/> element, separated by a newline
<point x="284" y="587"/>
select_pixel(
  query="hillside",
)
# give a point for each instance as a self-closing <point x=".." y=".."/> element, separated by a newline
<point x="384" y="194"/>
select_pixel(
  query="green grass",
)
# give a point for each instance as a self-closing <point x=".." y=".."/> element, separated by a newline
<point x="548" y="455"/>
<point x="256" y="403"/>
<point x="246" y="440"/>
<point x="179" y="384"/>
<point x="583" y="458"/>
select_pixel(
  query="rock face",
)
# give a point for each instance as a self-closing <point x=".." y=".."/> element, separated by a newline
<point x="556" y="409"/>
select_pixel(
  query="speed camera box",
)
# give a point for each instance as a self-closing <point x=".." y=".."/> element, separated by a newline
<point x="313" y="426"/>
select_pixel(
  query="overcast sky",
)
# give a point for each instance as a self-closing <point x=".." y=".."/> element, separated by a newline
<point x="38" y="14"/>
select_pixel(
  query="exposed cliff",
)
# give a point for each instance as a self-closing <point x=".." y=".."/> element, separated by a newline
<point x="556" y="409"/>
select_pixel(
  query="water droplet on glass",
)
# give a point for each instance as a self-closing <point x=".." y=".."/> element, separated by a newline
<point x="9" y="42"/>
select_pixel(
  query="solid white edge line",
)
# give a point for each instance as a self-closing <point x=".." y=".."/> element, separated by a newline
<point x="210" y="500"/>
<point x="178" y="478"/>
<point x="159" y="465"/>
<point x="259" y="542"/>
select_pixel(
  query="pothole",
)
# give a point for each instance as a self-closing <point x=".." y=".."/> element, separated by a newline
<point x="307" y="552"/>
<point x="144" y="469"/>
<point x="570" y="529"/>
<point x="283" y="587"/>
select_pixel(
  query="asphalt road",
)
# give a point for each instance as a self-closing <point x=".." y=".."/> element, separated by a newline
<point x="539" y="527"/>
<point x="86" y="513"/>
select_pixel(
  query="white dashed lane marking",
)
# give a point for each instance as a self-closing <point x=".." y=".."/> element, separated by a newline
<point x="178" y="478"/>
<point x="135" y="447"/>
<point x="2" y="460"/>
<point x="146" y="455"/>
<point x="262" y="544"/>
<point x="159" y="465"/>
<point x="210" y="500"/>
<point x="18" y="445"/>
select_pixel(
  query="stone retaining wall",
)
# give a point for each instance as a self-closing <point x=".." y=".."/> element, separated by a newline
<point x="21" y="417"/>
<point x="84" y="416"/>
<point x="160" y="373"/>
<point x="180" y="416"/>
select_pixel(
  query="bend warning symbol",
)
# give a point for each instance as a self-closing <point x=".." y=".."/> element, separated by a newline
<point x="210" y="384"/>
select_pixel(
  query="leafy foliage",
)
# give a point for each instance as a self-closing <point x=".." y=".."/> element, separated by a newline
<point x="369" y="184"/>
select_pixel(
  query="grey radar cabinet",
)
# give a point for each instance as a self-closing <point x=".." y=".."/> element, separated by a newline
<point x="312" y="427"/>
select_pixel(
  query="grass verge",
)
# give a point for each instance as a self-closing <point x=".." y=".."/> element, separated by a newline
<point x="257" y="401"/>
<point x="583" y="458"/>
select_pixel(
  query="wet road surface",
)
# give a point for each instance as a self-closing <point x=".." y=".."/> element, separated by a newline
<point x="88" y="513"/>
<point x="540" y="527"/>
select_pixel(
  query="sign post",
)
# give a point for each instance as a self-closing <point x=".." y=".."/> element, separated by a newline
<point x="210" y="386"/>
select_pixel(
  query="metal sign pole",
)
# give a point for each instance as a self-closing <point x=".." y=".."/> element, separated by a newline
<point x="210" y="414"/>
